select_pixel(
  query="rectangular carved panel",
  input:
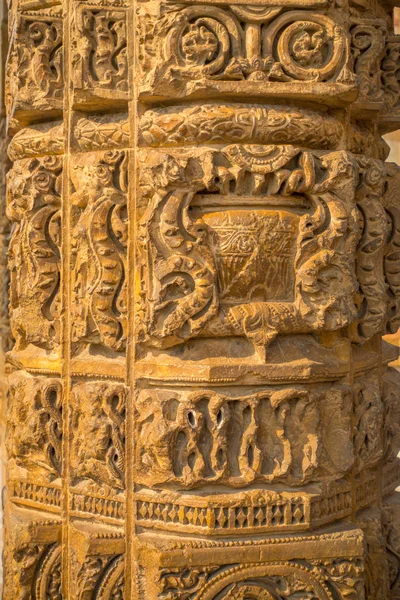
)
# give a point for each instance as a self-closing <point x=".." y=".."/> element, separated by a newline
<point x="286" y="435"/>
<point x="35" y="70"/>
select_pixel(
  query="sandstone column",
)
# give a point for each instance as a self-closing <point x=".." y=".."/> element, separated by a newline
<point x="204" y="257"/>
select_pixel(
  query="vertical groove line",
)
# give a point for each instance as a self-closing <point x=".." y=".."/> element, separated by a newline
<point x="65" y="295"/>
<point x="350" y="372"/>
<point x="381" y="372"/>
<point x="131" y="592"/>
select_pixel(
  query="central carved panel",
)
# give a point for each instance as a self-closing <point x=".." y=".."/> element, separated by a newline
<point x="254" y="251"/>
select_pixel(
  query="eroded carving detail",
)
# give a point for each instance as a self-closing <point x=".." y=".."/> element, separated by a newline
<point x="276" y="435"/>
<point x="98" y="414"/>
<point x="34" y="435"/>
<point x="103" y="573"/>
<point x="100" y="59"/>
<point x="204" y="256"/>
<point x="243" y="43"/>
<point x="35" y="69"/>
<point x="267" y="581"/>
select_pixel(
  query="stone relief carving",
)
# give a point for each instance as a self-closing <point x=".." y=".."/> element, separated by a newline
<point x="99" y="50"/>
<point x="391" y="407"/>
<point x="368" y="46"/>
<point x="99" y="413"/>
<point x="35" y="66"/>
<point x="320" y="296"/>
<point x="276" y="435"/>
<point x="34" y="438"/>
<point x="99" y="249"/>
<point x="33" y="205"/>
<point x="33" y="552"/>
<point x="257" y="124"/>
<point x="104" y="573"/>
<point x="286" y="580"/>
<point x="243" y="43"/>
<point x="203" y="259"/>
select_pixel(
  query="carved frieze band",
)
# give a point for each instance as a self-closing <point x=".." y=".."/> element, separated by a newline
<point x="248" y="569"/>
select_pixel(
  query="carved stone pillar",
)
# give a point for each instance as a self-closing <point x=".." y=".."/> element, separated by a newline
<point x="203" y="260"/>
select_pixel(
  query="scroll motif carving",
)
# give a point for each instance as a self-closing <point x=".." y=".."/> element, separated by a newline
<point x="267" y="581"/>
<point x="48" y="575"/>
<point x="391" y="268"/>
<point x="390" y="71"/>
<point x="103" y="573"/>
<point x="373" y="298"/>
<point x="240" y="43"/>
<point x="261" y="124"/>
<point x="33" y="555"/>
<point x="258" y="124"/>
<point x="39" y="567"/>
<point x="33" y="205"/>
<point x="368" y="45"/>
<point x="204" y="256"/>
<point x="99" y="242"/>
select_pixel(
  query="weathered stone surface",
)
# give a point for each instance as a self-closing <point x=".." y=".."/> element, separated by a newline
<point x="203" y="260"/>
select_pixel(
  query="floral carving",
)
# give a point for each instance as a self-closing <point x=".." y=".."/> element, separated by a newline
<point x="232" y="122"/>
<point x="183" y="584"/>
<point x="39" y="139"/>
<point x="390" y="71"/>
<point x="204" y="256"/>
<point x="101" y="132"/>
<point x="33" y="559"/>
<point x="47" y="583"/>
<point x="391" y="263"/>
<point x="373" y="297"/>
<point x="243" y="43"/>
<point x="103" y="573"/>
<point x="269" y="581"/>
<point x="367" y="42"/>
